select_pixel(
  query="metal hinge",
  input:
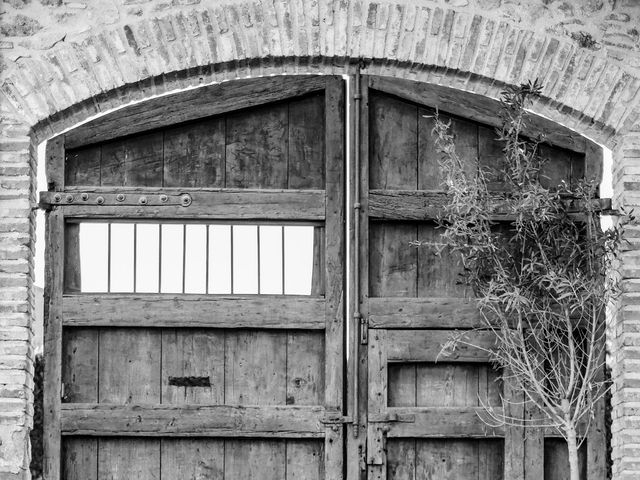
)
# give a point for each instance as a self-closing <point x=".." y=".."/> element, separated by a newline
<point x="336" y="420"/>
<point x="364" y="327"/>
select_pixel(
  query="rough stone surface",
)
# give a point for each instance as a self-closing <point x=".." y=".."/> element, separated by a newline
<point x="64" y="62"/>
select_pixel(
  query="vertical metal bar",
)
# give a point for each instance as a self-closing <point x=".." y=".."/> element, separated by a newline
<point x="357" y="97"/>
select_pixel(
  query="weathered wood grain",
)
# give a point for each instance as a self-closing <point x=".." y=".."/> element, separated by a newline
<point x="193" y="352"/>
<point x="393" y="266"/>
<point x="257" y="148"/>
<point x="305" y="368"/>
<point x="83" y="165"/>
<point x="129" y="366"/>
<point x="256" y="368"/>
<point x="193" y="104"/>
<point x="229" y="205"/>
<point x="162" y="310"/>
<point x="54" y="164"/>
<point x="426" y="205"/>
<point x="54" y="285"/>
<point x="192" y="420"/>
<point x="80" y="365"/>
<point x="394" y="143"/>
<point x="305" y="460"/>
<point x="192" y="459"/>
<point x="259" y="459"/>
<point x="72" y="274"/>
<point x="133" y="162"/>
<point x="129" y="458"/>
<point x="426" y="346"/>
<point x="556" y="460"/>
<point x="194" y="155"/>
<point x="307" y="127"/>
<point x="429" y="422"/>
<point x="80" y="458"/>
<point x="433" y="312"/>
<point x="474" y="107"/>
<point x="334" y="242"/>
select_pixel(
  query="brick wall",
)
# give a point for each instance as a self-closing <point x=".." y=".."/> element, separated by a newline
<point x="62" y="62"/>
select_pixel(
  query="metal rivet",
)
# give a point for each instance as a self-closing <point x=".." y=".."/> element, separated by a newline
<point x="85" y="196"/>
<point x="120" y="197"/>
<point x="100" y="200"/>
<point x="142" y="201"/>
<point x="57" y="197"/>
<point x="185" y="200"/>
<point x="164" y="198"/>
<point x="69" y="198"/>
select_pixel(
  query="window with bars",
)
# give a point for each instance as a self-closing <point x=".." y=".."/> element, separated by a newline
<point x="190" y="258"/>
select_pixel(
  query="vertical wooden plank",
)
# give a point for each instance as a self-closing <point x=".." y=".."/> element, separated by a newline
<point x="256" y="148"/>
<point x="593" y="163"/>
<point x="401" y="460"/>
<point x="334" y="270"/>
<point x="465" y="136"/>
<point x="255" y="460"/>
<point x="596" y="445"/>
<point x="53" y="343"/>
<point x="394" y="143"/>
<point x="82" y="166"/>
<point x="448" y="385"/>
<point x="80" y="365"/>
<point x="447" y="459"/>
<point x="133" y="162"/>
<point x="129" y="365"/>
<point x="194" y="154"/>
<point x="129" y="459"/>
<point x="393" y="261"/>
<point x="80" y="459"/>
<point x="72" y="278"/>
<point x="129" y="372"/>
<point x="305" y="460"/>
<point x="556" y="460"/>
<point x="193" y="353"/>
<point x="402" y="385"/>
<point x="189" y="459"/>
<point x="514" y="437"/>
<point x="317" y="276"/>
<point x="491" y="460"/>
<point x="491" y="159"/>
<point x="54" y="165"/>
<point x="305" y="368"/>
<point x="255" y="368"/>
<point x="556" y="166"/>
<point x="439" y="273"/>
<point x="378" y="382"/>
<point x="306" y="143"/>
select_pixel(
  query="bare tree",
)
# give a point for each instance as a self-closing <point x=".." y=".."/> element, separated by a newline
<point x="543" y="279"/>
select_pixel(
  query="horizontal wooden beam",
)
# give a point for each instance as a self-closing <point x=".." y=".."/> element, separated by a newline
<point x="157" y="310"/>
<point x="426" y="346"/>
<point x="427" y="205"/>
<point x="443" y="422"/>
<point x="402" y="312"/>
<point x="475" y="107"/>
<point x="192" y="420"/>
<point x="224" y="204"/>
<point x="192" y="105"/>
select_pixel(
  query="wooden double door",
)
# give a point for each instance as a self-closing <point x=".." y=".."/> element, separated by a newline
<point x="198" y="322"/>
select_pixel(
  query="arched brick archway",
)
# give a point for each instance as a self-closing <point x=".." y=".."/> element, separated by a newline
<point x="466" y="47"/>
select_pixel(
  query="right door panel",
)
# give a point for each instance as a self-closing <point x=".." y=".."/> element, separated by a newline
<point x="427" y="413"/>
